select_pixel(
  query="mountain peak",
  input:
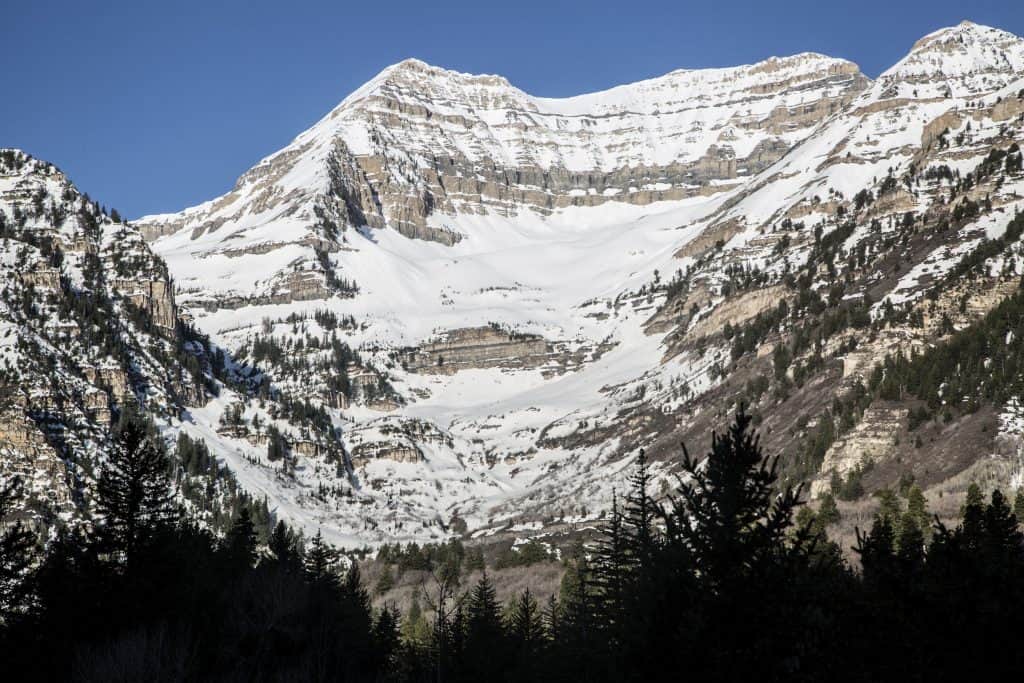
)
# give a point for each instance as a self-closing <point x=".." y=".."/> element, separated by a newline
<point x="967" y="51"/>
<point x="965" y="33"/>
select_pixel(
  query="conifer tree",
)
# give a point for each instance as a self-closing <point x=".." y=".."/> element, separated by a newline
<point x="1018" y="505"/>
<point x="320" y="560"/>
<point x="240" y="541"/>
<point x="731" y="517"/>
<point x="415" y="628"/>
<point x="526" y="624"/>
<point x="972" y="527"/>
<point x="133" y="494"/>
<point x="283" y="547"/>
<point x="910" y="545"/>
<point x="973" y="497"/>
<point x="15" y="553"/>
<point x="483" y="615"/>
<point x="1003" y="540"/>
<point x="917" y="509"/>
<point x="828" y="512"/>
<point x="877" y="550"/>
<point x="889" y="506"/>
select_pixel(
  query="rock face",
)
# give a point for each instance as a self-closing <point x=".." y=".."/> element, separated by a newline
<point x="449" y="298"/>
<point x="478" y="347"/>
<point x="88" y="326"/>
<point x="418" y="146"/>
<point x="28" y="455"/>
<point x="874" y="439"/>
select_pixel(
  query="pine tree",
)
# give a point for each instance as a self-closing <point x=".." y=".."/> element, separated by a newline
<point x="320" y="560"/>
<point x="483" y="616"/>
<point x="973" y="497"/>
<point x="352" y="588"/>
<point x="828" y="512"/>
<point x="526" y="624"/>
<point x="485" y="647"/>
<point x="639" y="513"/>
<point x="240" y="541"/>
<point x="1018" y="505"/>
<point x="917" y="509"/>
<point x="972" y="527"/>
<point x="385" y="582"/>
<point x="133" y="494"/>
<point x="283" y="547"/>
<point x="1003" y="540"/>
<point x="731" y="517"/>
<point x="15" y="553"/>
<point x="877" y="550"/>
<point x="415" y="628"/>
<point x="612" y="572"/>
<point x="386" y="637"/>
<point x="910" y="545"/>
<point x="889" y="506"/>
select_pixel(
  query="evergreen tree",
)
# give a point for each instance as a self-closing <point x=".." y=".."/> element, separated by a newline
<point x="415" y="628"/>
<point x="910" y="545"/>
<point x="828" y="511"/>
<point x="484" y="628"/>
<point x="526" y="622"/>
<point x="16" y="544"/>
<point x="1018" y="505"/>
<point x="917" y="509"/>
<point x="731" y="517"/>
<point x="877" y="550"/>
<point x="527" y="634"/>
<point x="320" y="561"/>
<point x="133" y="494"/>
<point x="1004" y="542"/>
<point x="889" y="506"/>
<point x="972" y="527"/>
<point x="240" y="541"/>
<point x="283" y="547"/>
<point x="974" y="497"/>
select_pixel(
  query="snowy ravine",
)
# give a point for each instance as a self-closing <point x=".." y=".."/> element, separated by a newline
<point x="451" y="307"/>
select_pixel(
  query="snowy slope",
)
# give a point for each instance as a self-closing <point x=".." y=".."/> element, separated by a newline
<point x="503" y="261"/>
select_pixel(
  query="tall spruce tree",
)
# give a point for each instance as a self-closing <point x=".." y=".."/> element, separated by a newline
<point x="16" y="544"/>
<point x="284" y="550"/>
<point x="485" y="633"/>
<point x="728" y="512"/>
<point x="134" y="495"/>
<point x="240" y="541"/>
<point x="1018" y="505"/>
<point x="320" y="561"/>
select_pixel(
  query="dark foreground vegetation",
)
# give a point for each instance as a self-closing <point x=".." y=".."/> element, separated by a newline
<point x="718" y="583"/>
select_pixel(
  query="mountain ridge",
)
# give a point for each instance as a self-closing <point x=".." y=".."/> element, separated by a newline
<point x="443" y="325"/>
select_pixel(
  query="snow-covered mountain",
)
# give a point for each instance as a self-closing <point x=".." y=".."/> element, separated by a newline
<point x="88" y="328"/>
<point x="452" y="306"/>
<point x="418" y="146"/>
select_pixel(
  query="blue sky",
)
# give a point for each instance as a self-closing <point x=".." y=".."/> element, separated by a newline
<point x="152" y="107"/>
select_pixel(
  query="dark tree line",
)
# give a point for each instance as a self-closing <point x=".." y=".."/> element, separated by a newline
<point x="718" y="582"/>
<point x="147" y="595"/>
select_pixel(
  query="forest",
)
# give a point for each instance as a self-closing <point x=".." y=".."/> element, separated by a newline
<point x="720" y="580"/>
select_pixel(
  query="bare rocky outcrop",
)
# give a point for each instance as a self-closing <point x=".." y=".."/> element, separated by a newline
<point x="875" y="438"/>
<point x="26" y="453"/>
<point x="477" y="347"/>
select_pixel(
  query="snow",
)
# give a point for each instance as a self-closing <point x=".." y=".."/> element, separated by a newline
<point x="549" y="272"/>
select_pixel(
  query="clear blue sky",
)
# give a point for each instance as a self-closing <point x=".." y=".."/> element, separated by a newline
<point x="152" y="107"/>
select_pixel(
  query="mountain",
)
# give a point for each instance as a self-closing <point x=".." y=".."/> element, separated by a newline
<point x="418" y="145"/>
<point x="90" y="329"/>
<point x="432" y="213"/>
<point x="450" y="306"/>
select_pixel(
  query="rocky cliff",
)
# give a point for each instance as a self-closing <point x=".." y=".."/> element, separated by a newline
<point x="451" y="300"/>
<point x="88" y="331"/>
